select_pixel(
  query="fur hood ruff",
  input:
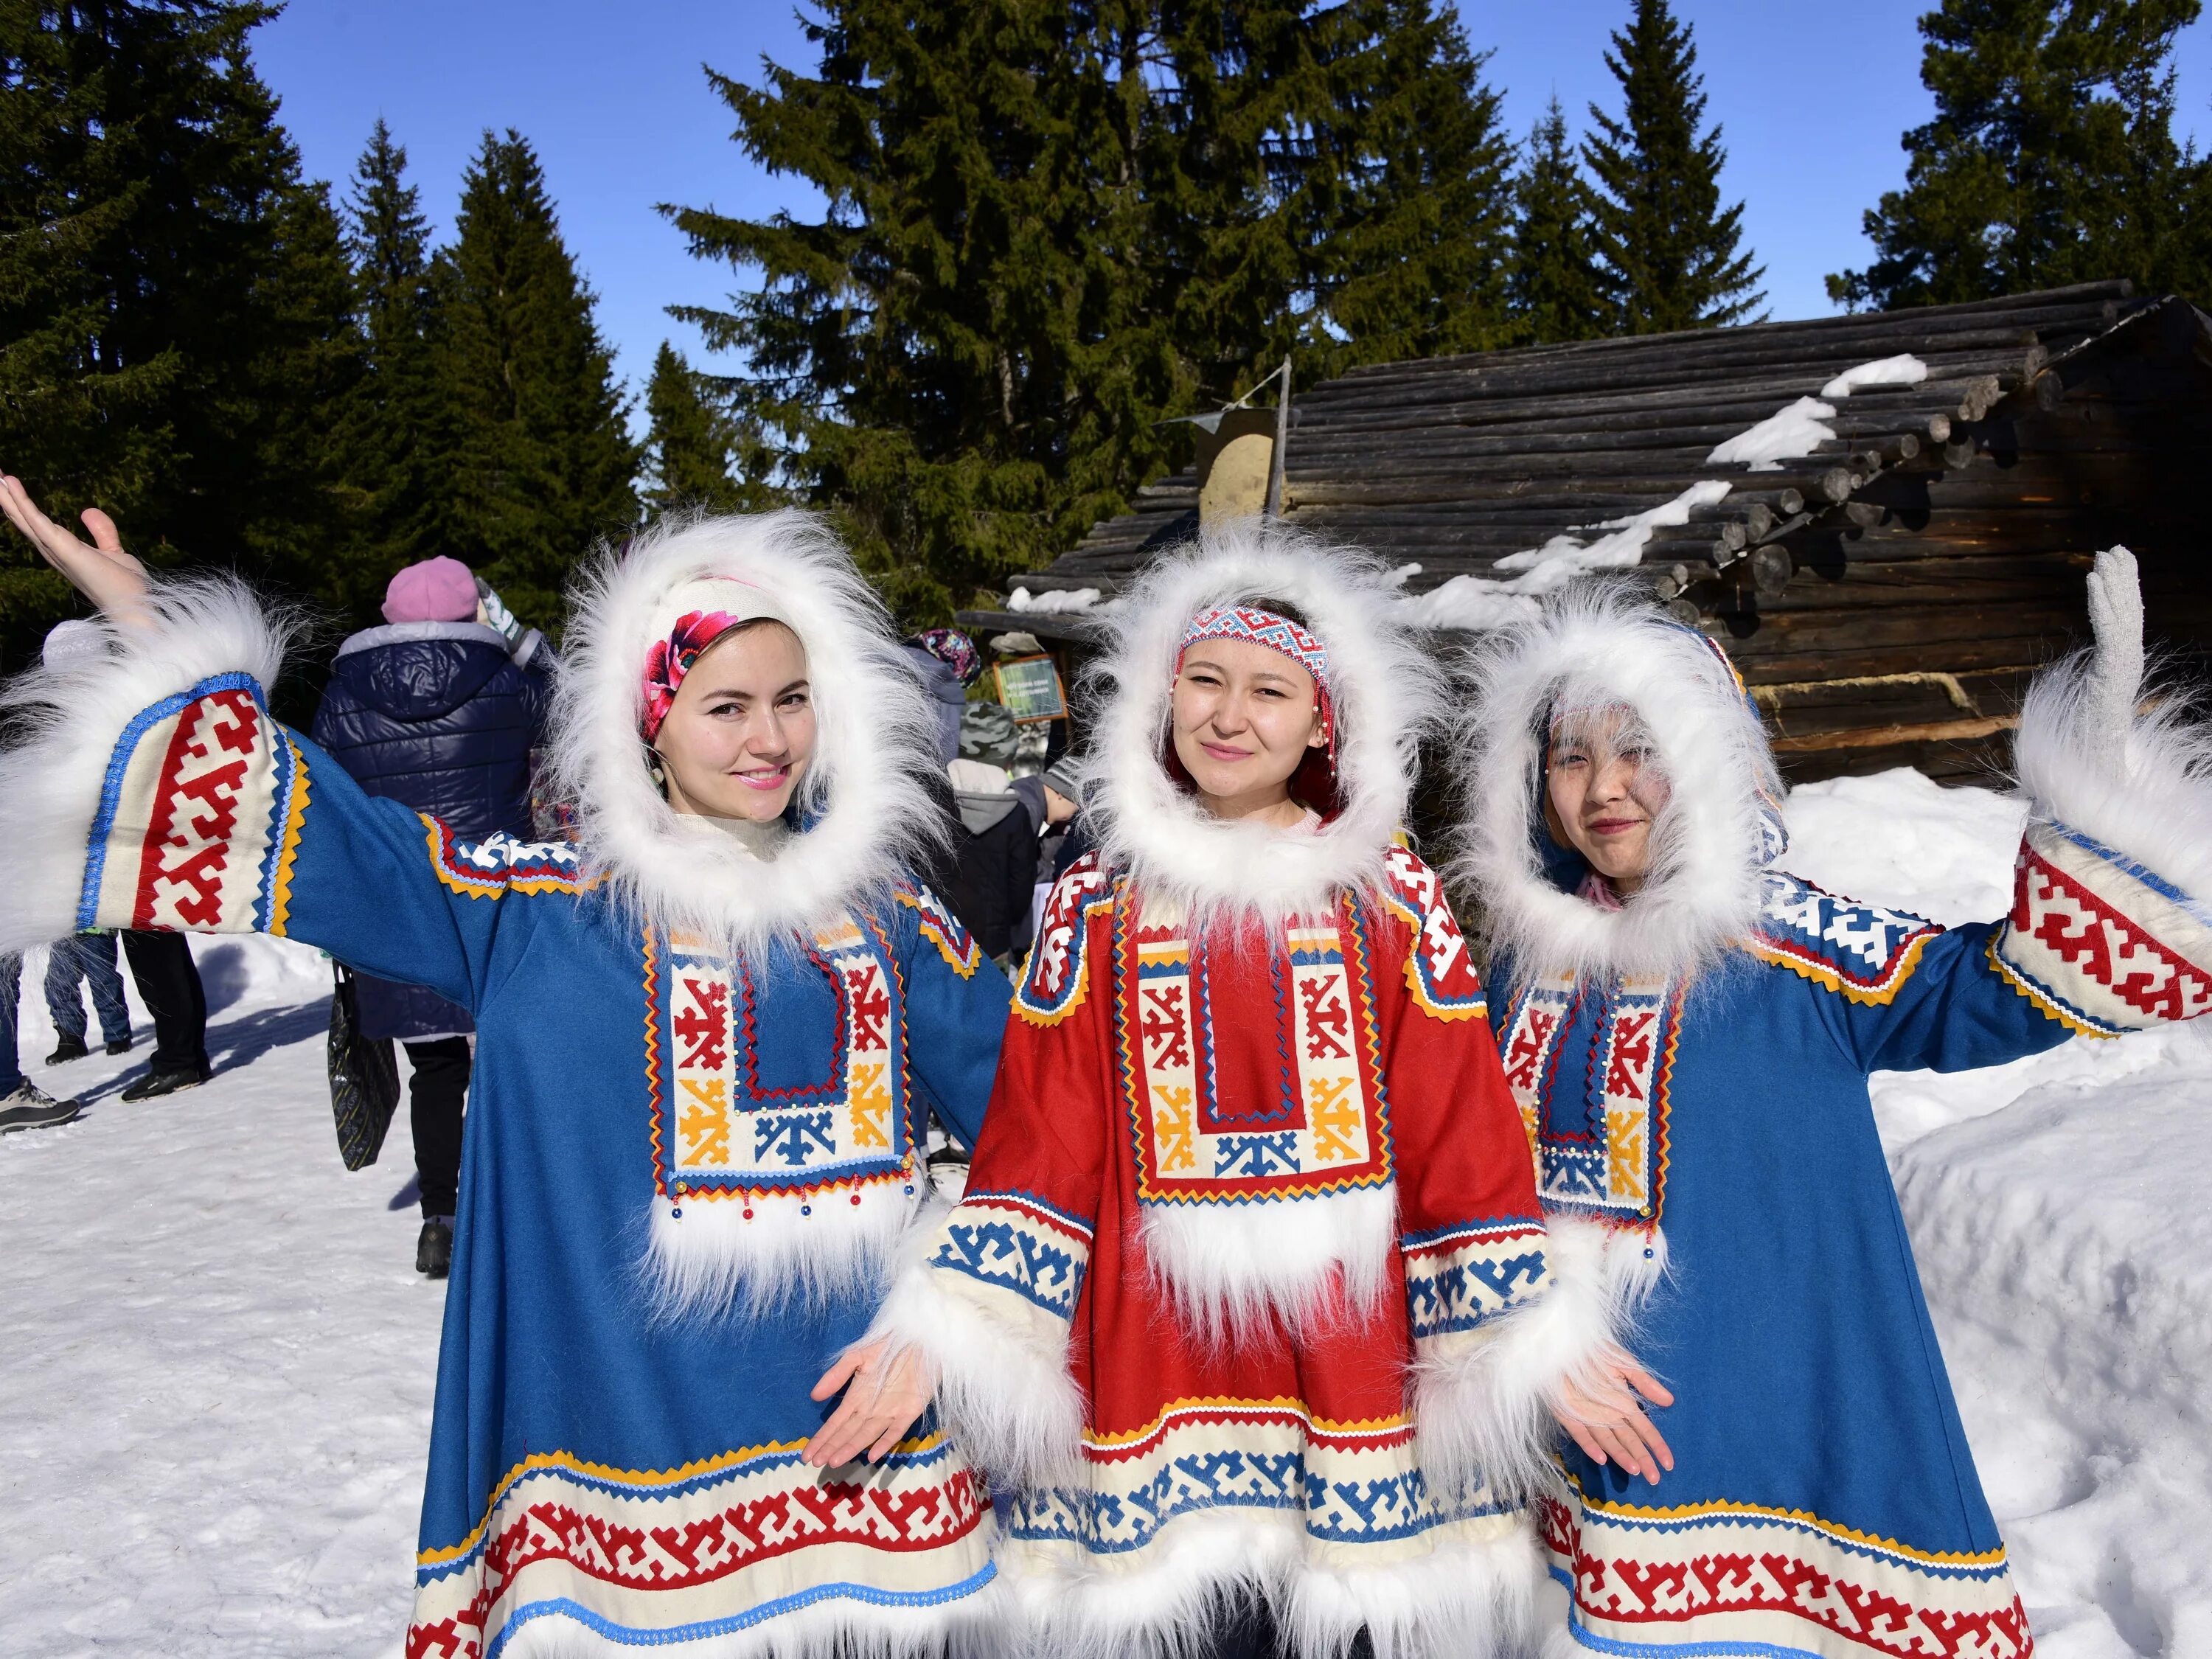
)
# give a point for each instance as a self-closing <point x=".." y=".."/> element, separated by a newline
<point x="865" y="814"/>
<point x="1386" y="696"/>
<point x="1597" y="642"/>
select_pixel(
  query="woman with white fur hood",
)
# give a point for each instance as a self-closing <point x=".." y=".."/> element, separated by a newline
<point x="1252" y="1194"/>
<point x="709" y="1034"/>
<point x="1688" y="1033"/>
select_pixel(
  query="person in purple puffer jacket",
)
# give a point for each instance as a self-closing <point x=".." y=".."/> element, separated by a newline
<point x="440" y="709"/>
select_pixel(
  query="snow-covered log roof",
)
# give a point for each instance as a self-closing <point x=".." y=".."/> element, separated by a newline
<point x="1910" y="498"/>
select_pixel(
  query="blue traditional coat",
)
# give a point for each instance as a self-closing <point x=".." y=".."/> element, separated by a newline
<point x="1709" y="1128"/>
<point x="611" y="1451"/>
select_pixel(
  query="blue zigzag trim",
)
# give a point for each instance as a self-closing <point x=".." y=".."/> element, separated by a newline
<point x="633" y="1636"/>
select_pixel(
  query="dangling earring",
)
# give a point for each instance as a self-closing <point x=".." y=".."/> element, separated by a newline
<point x="654" y="769"/>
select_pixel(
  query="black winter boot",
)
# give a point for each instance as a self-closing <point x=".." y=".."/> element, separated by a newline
<point x="67" y="1048"/>
<point x="166" y="1081"/>
<point x="434" y="1250"/>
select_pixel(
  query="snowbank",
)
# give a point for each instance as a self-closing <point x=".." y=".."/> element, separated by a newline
<point x="218" y="1363"/>
<point x="2057" y="1212"/>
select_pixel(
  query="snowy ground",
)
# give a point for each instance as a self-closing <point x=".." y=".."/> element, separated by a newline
<point x="216" y="1381"/>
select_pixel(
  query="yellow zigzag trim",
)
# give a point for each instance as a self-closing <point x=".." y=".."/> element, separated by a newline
<point x="470" y="887"/>
<point x="1907" y="961"/>
<point x="2043" y="1004"/>
<point x="568" y="1462"/>
<point x="1722" y="1508"/>
<point x="931" y="931"/>
<point x="1285" y="1404"/>
<point x="288" y="852"/>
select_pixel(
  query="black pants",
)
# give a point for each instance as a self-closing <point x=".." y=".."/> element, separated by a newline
<point x="434" y="1100"/>
<point x="169" y="984"/>
<point x="1251" y="1633"/>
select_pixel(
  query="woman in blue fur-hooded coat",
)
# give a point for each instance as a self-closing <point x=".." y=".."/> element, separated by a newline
<point x="710" y="1032"/>
<point x="1769" y="1462"/>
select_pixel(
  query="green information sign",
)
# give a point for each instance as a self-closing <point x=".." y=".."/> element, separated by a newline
<point x="1029" y="689"/>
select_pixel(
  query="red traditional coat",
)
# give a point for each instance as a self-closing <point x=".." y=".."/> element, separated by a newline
<point x="1173" y="1118"/>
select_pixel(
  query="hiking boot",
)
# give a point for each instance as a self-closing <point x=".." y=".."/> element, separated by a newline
<point x="32" y="1107"/>
<point x="166" y="1081"/>
<point x="119" y="1045"/>
<point x="67" y="1048"/>
<point x="434" y="1250"/>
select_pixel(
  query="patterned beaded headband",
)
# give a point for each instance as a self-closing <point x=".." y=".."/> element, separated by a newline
<point x="693" y="615"/>
<point x="1258" y="627"/>
<point x="1254" y="626"/>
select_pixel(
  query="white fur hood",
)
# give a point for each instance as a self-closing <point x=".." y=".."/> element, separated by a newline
<point x="1385" y="695"/>
<point x="862" y="805"/>
<point x="1711" y="843"/>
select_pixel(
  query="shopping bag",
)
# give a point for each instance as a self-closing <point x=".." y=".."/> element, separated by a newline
<point x="364" y="1079"/>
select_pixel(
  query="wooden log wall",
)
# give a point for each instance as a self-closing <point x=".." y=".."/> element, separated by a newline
<point x="1887" y="596"/>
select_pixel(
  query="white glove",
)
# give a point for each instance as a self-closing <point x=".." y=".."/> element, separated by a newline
<point x="2116" y="670"/>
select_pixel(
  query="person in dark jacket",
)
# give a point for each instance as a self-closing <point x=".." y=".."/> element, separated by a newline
<point x="440" y="709"/>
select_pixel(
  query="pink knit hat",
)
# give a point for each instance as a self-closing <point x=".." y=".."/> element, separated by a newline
<point x="436" y="590"/>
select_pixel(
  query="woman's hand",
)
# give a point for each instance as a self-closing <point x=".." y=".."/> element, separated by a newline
<point x="1599" y="1410"/>
<point x="887" y="1393"/>
<point x="100" y="569"/>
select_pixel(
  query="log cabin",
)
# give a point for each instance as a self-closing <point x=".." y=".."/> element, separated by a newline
<point x="1886" y="589"/>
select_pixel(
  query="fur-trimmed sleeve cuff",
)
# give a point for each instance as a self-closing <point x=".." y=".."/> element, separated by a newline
<point x="987" y="1301"/>
<point x="1483" y="1386"/>
<point x="104" y="743"/>
<point x="2110" y="928"/>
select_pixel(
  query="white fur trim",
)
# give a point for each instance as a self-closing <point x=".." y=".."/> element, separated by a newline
<point x="1482" y="1400"/>
<point x="1003" y="1386"/>
<point x="469" y="632"/>
<point x="1231" y="1267"/>
<point x="2144" y="790"/>
<point x="712" y="1256"/>
<point x="871" y="816"/>
<point x="1386" y="695"/>
<point x="69" y="717"/>
<point x="1469" y="1597"/>
<point x="976" y="1626"/>
<point x="1709" y="844"/>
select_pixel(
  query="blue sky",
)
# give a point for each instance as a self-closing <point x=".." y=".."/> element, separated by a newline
<point x="1811" y="99"/>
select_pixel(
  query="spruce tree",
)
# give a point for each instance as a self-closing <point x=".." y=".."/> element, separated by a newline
<point x="1410" y="257"/>
<point x="1670" y="249"/>
<point x="1050" y="225"/>
<point x="698" y="455"/>
<point x="944" y="356"/>
<point x="2051" y="158"/>
<point x="1555" y="285"/>
<point x="541" y="467"/>
<point x="176" y="334"/>
<point x="396" y="432"/>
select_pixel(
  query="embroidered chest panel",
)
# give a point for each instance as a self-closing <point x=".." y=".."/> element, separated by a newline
<point x="1248" y="1072"/>
<point x="719" y="1128"/>
<point x="1595" y="1107"/>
